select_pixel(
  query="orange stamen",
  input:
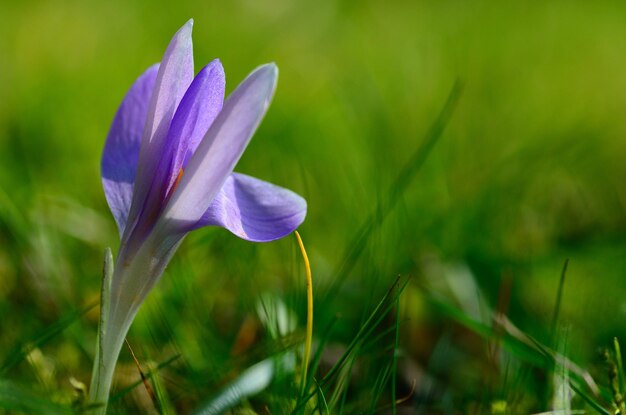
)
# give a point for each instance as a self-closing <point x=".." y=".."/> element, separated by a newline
<point x="175" y="185"/>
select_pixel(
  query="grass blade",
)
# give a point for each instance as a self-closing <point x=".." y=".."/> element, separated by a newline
<point x="589" y="400"/>
<point x="357" y="243"/>
<point x="380" y="311"/>
<point x="119" y="395"/>
<point x="309" y="316"/>
<point x="557" y="305"/>
<point x="252" y="381"/>
<point x="21" y="350"/>
<point x="16" y="398"/>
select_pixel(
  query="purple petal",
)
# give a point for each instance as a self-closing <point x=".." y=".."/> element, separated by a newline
<point x="121" y="150"/>
<point x="211" y="99"/>
<point x="255" y="210"/>
<point x="174" y="77"/>
<point x="195" y="114"/>
<point x="220" y="149"/>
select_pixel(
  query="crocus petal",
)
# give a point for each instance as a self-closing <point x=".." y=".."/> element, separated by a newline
<point x="195" y="114"/>
<point x="255" y="210"/>
<point x="210" y="95"/>
<point x="174" y="77"/>
<point x="220" y="150"/>
<point x="121" y="150"/>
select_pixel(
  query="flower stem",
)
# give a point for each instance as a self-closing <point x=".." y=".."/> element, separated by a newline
<point x="101" y="374"/>
<point x="112" y="331"/>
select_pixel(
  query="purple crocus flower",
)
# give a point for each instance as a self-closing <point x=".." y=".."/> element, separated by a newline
<point x="167" y="169"/>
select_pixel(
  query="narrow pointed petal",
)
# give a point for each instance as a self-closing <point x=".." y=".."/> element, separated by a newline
<point x="220" y="149"/>
<point x="255" y="210"/>
<point x="121" y="150"/>
<point x="205" y="106"/>
<point x="174" y="77"/>
<point x="196" y="112"/>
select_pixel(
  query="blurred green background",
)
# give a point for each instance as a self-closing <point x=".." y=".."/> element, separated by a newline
<point x="528" y="172"/>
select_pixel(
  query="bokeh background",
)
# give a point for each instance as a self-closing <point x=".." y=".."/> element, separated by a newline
<point x="528" y="172"/>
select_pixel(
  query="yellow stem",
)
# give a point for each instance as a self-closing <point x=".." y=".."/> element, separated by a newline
<point x="309" y="314"/>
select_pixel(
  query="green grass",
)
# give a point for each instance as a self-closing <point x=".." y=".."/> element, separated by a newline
<point x="518" y="172"/>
